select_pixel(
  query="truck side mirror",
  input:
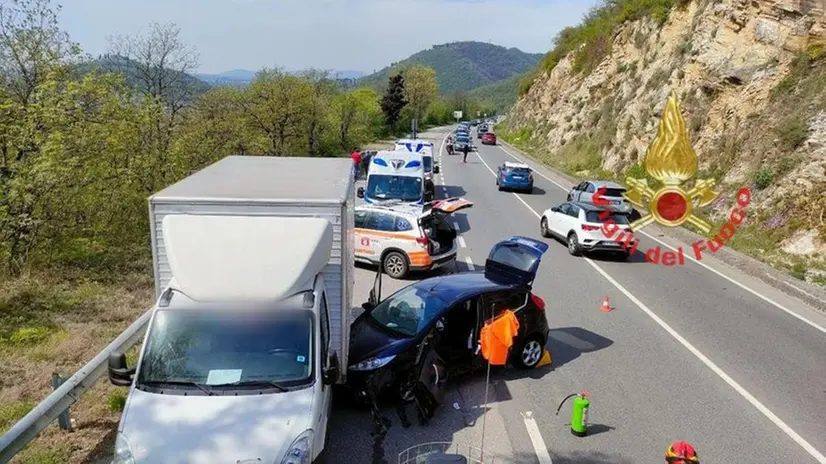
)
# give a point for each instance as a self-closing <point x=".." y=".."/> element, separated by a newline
<point x="330" y="375"/>
<point x="360" y="192"/>
<point x="119" y="373"/>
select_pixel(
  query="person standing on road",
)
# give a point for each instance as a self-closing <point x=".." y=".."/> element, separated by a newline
<point x="681" y="452"/>
<point x="465" y="150"/>
<point x="356" y="157"/>
<point x="365" y="162"/>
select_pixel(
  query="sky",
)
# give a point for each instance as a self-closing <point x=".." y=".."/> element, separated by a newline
<point x="361" y="35"/>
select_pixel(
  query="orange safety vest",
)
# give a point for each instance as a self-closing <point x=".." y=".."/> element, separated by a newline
<point x="497" y="338"/>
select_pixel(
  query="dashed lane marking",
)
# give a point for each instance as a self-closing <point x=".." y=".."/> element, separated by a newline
<point x="536" y="439"/>
<point x="706" y="266"/>
<point x="461" y="241"/>
<point x="819" y="457"/>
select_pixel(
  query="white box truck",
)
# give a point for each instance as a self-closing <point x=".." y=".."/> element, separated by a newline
<point x="253" y="266"/>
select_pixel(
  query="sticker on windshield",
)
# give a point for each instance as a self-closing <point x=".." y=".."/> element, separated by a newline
<point x="300" y="359"/>
<point x="221" y="376"/>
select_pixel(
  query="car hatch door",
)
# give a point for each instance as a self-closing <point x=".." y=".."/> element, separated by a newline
<point x="445" y="207"/>
<point x="515" y="261"/>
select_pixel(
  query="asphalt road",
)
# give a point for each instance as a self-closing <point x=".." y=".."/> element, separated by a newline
<point x="687" y="353"/>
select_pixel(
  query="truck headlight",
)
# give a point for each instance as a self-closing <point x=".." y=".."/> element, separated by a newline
<point x="372" y="364"/>
<point x="301" y="451"/>
<point x="123" y="453"/>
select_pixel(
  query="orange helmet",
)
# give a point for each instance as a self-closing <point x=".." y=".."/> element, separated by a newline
<point x="681" y="452"/>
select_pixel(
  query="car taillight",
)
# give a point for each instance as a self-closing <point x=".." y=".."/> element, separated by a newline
<point x="423" y="241"/>
<point x="539" y="302"/>
<point x="586" y="227"/>
<point x="530" y="177"/>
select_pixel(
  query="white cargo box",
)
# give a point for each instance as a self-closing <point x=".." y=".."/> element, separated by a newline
<point x="271" y="186"/>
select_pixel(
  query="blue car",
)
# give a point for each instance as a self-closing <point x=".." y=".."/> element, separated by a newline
<point x="432" y="327"/>
<point x="514" y="176"/>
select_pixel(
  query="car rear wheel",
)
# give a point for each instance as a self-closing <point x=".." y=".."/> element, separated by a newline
<point x="528" y="353"/>
<point x="573" y="244"/>
<point x="543" y="227"/>
<point x="395" y="265"/>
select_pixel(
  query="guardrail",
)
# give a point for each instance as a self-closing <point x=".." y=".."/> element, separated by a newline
<point x="69" y="392"/>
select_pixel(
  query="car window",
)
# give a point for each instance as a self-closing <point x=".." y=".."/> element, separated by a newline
<point x="563" y="208"/>
<point x="590" y="188"/>
<point x="402" y="224"/>
<point x="381" y="221"/>
<point x="594" y="216"/>
<point x="325" y="330"/>
<point x="613" y="192"/>
<point x="573" y="211"/>
<point x="361" y="218"/>
<point x="496" y="302"/>
<point x="408" y="311"/>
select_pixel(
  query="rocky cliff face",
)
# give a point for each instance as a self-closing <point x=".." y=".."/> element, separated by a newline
<point x="752" y="81"/>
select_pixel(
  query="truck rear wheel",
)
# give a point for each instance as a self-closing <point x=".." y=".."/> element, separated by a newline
<point x="395" y="265"/>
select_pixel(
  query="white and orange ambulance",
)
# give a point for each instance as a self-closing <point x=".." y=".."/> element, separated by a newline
<point x="404" y="238"/>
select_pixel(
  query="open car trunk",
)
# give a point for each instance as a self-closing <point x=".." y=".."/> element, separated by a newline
<point x="441" y="233"/>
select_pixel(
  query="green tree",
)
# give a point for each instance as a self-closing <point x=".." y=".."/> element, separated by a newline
<point x="420" y="89"/>
<point x="320" y="120"/>
<point x="393" y="101"/>
<point x="276" y="104"/>
<point x="359" y="114"/>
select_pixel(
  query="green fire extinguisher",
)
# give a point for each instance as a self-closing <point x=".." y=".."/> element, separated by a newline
<point x="579" y="413"/>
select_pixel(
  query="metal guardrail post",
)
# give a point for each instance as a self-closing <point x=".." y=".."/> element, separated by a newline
<point x="68" y="393"/>
<point x="64" y="420"/>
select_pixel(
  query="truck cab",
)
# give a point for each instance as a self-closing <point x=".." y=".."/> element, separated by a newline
<point x="395" y="176"/>
<point x="237" y="363"/>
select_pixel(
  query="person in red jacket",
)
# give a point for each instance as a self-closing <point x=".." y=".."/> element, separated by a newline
<point x="356" y="157"/>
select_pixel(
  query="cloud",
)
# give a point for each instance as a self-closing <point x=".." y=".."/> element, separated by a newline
<point x="331" y="34"/>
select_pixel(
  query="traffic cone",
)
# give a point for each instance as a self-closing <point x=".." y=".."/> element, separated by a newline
<point x="606" y="307"/>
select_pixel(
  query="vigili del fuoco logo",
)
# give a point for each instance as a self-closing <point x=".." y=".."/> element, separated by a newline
<point x="671" y="160"/>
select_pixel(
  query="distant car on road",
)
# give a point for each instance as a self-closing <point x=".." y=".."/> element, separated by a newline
<point x="585" y="190"/>
<point x="481" y="131"/>
<point x="514" y="176"/>
<point x="459" y="144"/>
<point x="580" y="226"/>
<point x="489" y="138"/>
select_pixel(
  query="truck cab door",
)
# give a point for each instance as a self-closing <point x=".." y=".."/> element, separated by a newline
<point x="323" y="400"/>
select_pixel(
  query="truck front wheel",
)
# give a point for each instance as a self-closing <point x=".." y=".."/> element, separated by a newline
<point x="395" y="265"/>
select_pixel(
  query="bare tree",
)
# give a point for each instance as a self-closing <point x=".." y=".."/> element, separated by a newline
<point x="31" y="45"/>
<point x="158" y="62"/>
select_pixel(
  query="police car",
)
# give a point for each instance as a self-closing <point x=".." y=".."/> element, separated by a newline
<point x="404" y="238"/>
<point x="425" y="148"/>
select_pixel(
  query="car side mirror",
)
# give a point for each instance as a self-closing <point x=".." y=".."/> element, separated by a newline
<point x="368" y="305"/>
<point x="330" y="374"/>
<point x="119" y="373"/>
<point x="360" y="192"/>
<point x="435" y="169"/>
<point x="555" y="209"/>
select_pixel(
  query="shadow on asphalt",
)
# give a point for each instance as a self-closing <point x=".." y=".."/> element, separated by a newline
<point x="451" y="191"/>
<point x="102" y="452"/>
<point x="461" y="224"/>
<point x="581" y="457"/>
<point x="569" y="343"/>
<point x="637" y="258"/>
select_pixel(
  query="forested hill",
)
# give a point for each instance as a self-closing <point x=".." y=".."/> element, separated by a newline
<point x="463" y="66"/>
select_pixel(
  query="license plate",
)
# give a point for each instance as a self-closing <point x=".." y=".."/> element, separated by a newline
<point x="518" y="177"/>
<point x="611" y="244"/>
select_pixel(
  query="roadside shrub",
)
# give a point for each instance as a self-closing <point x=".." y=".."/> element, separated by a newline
<point x="763" y="178"/>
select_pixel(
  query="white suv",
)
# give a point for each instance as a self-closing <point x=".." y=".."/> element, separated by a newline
<point x="580" y="225"/>
<point x="404" y="238"/>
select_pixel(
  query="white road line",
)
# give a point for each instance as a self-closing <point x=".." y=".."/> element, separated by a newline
<point x="461" y="241"/>
<point x="469" y="263"/>
<point x="703" y="358"/>
<point x="536" y="439"/>
<point x="706" y="266"/>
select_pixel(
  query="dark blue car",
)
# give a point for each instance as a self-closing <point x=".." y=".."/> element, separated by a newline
<point x="515" y="176"/>
<point x="431" y="329"/>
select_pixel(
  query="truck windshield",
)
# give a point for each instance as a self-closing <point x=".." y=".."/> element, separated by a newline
<point x="408" y="311"/>
<point x="224" y="347"/>
<point x="390" y="187"/>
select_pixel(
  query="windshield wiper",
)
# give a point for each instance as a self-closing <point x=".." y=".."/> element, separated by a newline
<point x="252" y="383"/>
<point x="180" y="383"/>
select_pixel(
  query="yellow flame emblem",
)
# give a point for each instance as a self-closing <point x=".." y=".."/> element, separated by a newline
<point x="671" y="160"/>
